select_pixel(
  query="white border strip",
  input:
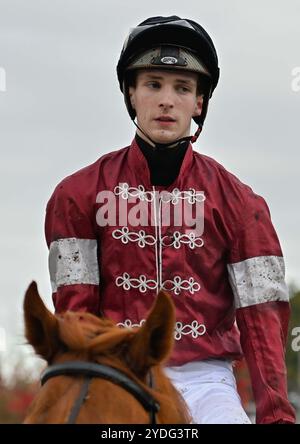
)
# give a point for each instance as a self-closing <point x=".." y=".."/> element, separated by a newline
<point x="258" y="280"/>
<point x="73" y="261"/>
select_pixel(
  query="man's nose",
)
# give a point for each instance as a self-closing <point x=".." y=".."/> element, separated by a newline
<point x="166" y="99"/>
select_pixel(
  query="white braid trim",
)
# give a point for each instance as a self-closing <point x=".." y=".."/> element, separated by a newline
<point x="125" y="191"/>
<point x="176" y="195"/>
<point x="192" y="196"/>
<point x="177" y="284"/>
<point x="194" y="329"/>
<point x="140" y="237"/>
<point x="142" y="283"/>
<point x="178" y="238"/>
<point x="144" y="239"/>
<point x="189" y="329"/>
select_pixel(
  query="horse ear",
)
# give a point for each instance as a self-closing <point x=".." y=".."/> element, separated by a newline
<point x="41" y="326"/>
<point x="153" y="342"/>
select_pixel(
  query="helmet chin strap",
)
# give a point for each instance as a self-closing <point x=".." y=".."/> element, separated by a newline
<point x="157" y="145"/>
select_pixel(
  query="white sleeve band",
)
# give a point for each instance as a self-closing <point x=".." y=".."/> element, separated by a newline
<point x="73" y="261"/>
<point x="258" y="280"/>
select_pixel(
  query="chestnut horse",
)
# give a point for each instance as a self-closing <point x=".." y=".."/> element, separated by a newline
<point x="99" y="373"/>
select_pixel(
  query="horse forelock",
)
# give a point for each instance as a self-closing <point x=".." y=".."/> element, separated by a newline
<point x="88" y="333"/>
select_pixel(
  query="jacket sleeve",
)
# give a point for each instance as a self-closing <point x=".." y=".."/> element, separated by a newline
<point x="73" y="249"/>
<point x="257" y="276"/>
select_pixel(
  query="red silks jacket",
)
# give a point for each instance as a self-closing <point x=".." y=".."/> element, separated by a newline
<point x="227" y="273"/>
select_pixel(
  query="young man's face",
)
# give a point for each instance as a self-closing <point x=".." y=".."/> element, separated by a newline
<point x="165" y="102"/>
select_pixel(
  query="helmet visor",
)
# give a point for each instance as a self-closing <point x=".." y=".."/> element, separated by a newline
<point x="134" y="32"/>
<point x="169" y="57"/>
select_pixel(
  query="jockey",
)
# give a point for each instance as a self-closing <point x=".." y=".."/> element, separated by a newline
<point x="159" y="215"/>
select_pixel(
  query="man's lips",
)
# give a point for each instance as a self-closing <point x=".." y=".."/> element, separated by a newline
<point x="165" y="120"/>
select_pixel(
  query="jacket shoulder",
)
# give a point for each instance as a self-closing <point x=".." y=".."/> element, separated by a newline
<point x="237" y="199"/>
<point x="88" y="176"/>
<point x="216" y="171"/>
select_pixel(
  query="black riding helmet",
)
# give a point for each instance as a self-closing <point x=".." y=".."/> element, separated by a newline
<point x="169" y="34"/>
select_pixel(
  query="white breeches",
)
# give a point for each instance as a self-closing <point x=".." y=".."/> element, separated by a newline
<point x="209" y="389"/>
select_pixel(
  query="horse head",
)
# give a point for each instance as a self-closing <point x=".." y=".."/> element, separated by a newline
<point x="100" y="373"/>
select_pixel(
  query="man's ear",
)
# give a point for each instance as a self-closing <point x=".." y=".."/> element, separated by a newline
<point x="198" y="105"/>
<point x="41" y="326"/>
<point x="131" y="96"/>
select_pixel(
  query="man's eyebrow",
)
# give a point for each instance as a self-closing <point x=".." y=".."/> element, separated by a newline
<point x="179" y="80"/>
<point x="153" y="77"/>
<point x="186" y="81"/>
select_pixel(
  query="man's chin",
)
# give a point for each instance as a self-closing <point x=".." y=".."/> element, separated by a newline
<point x="164" y="138"/>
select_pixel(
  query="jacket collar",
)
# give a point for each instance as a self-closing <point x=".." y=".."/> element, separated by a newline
<point x="141" y="171"/>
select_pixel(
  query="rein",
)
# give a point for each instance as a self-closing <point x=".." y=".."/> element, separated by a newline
<point x="92" y="370"/>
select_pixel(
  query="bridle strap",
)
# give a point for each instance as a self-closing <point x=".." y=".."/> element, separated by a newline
<point x="79" y="401"/>
<point x="151" y="385"/>
<point x="93" y="370"/>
